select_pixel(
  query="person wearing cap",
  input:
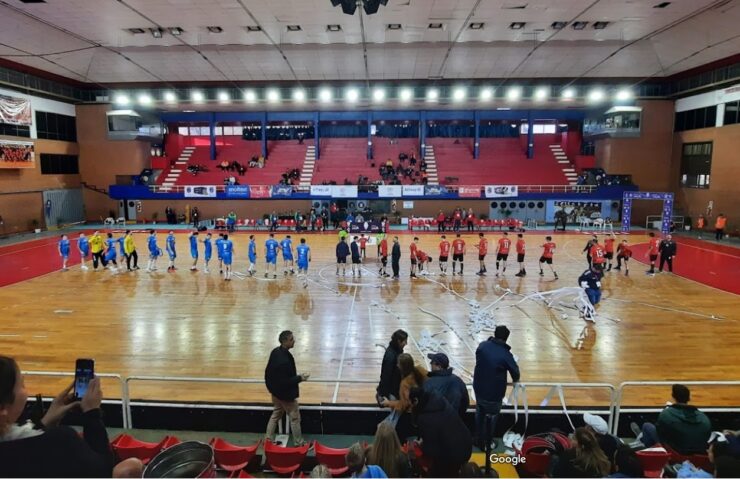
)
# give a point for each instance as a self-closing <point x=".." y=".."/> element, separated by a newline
<point x="680" y="427"/>
<point x="598" y="426"/>
<point x="441" y="380"/>
<point x="493" y="360"/>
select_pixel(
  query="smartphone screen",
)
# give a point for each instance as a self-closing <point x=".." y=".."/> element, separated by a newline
<point x="84" y="372"/>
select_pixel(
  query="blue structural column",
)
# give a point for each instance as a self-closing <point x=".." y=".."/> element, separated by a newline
<point x="422" y="133"/>
<point x="316" y="139"/>
<point x="476" y="140"/>
<point x="212" y="132"/>
<point x="530" y="135"/>
<point x="369" y="135"/>
<point x="263" y="134"/>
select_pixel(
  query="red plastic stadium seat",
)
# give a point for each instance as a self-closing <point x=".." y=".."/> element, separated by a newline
<point x="422" y="461"/>
<point x="537" y="463"/>
<point x="239" y="223"/>
<point x="699" y="460"/>
<point x="231" y="457"/>
<point x="126" y="446"/>
<point x="653" y="461"/>
<point x="168" y="442"/>
<point x="240" y="473"/>
<point x="284" y="460"/>
<point x="332" y="458"/>
<point x="292" y="223"/>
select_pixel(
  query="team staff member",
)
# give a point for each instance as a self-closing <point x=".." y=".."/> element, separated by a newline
<point x="482" y="251"/>
<point x="548" y="250"/>
<point x="457" y="219"/>
<point x="441" y="222"/>
<point x="129" y="248"/>
<point x="470" y="220"/>
<point x="652" y="253"/>
<point x="520" y="251"/>
<point x="502" y="251"/>
<point x="624" y="252"/>
<point x="383" y="257"/>
<point x="96" y="247"/>
<point x="587" y="249"/>
<point x="667" y="250"/>
<point x="719" y="227"/>
<point x="444" y="253"/>
<point x="458" y="254"/>
<point x="395" y="257"/>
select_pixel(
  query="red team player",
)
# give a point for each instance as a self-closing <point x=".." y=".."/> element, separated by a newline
<point x="413" y="256"/>
<point x="363" y="244"/>
<point x="598" y="255"/>
<point x="624" y="252"/>
<point x="653" y="248"/>
<point x="609" y="248"/>
<point x="482" y="251"/>
<point x="520" y="252"/>
<point x="383" y="256"/>
<point x="548" y="249"/>
<point x="444" y="253"/>
<point x="502" y="251"/>
<point x="458" y="253"/>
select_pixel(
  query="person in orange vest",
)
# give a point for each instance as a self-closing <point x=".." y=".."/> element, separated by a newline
<point x="700" y="224"/>
<point x="719" y="227"/>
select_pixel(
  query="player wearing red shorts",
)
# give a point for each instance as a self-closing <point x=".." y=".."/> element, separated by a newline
<point x="520" y="251"/>
<point x="502" y="251"/>
<point x="609" y="248"/>
<point x="652" y="253"/>
<point x="413" y="251"/>
<point x="458" y="254"/>
<point x="444" y="253"/>
<point x="482" y="251"/>
<point x="383" y="257"/>
<point x="548" y="249"/>
<point x="363" y="244"/>
<point x="624" y="252"/>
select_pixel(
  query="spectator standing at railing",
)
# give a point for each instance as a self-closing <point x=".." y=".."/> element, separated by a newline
<point x="448" y="385"/>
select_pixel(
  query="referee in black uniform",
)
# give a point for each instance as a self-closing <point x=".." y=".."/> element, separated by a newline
<point x="667" y="249"/>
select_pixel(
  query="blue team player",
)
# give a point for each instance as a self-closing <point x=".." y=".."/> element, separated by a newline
<point x="271" y="252"/>
<point x="207" y="251"/>
<point x="171" y="250"/>
<point x="110" y="253"/>
<point x="252" y="255"/>
<point x="304" y="257"/>
<point x="286" y="245"/>
<point x="83" y="245"/>
<point x="218" y="253"/>
<point x="226" y="247"/>
<point x="154" y="251"/>
<point x="193" y="238"/>
<point x="63" y="248"/>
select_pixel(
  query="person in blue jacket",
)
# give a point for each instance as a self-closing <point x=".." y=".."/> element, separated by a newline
<point x="171" y="250"/>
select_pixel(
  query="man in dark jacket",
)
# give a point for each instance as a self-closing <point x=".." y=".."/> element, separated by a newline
<point x="680" y="427"/>
<point x="493" y="359"/>
<point x="390" y="375"/>
<point x="282" y="381"/>
<point x="441" y="381"/>
<point x="445" y="439"/>
<point x="356" y="258"/>
<point x="342" y="253"/>
<point x="395" y="257"/>
<point x="667" y="249"/>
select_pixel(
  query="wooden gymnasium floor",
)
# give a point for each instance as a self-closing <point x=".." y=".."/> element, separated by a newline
<point x="192" y="324"/>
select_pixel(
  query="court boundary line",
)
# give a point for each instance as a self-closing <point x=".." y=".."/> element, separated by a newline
<point x="344" y="347"/>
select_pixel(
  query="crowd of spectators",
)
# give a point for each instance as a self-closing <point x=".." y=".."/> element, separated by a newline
<point x="414" y="173"/>
<point x="290" y="177"/>
<point x="599" y="177"/>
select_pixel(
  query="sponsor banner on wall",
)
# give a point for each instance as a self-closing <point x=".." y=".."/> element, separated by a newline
<point x="193" y="191"/>
<point x="365" y="227"/>
<point x="321" y="190"/>
<point x="344" y="191"/>
<point x="259" y="191"/>
<point x="435" y="190"/>
<point x="468" y="191"/>
<point x="390" y="191"/>
<point x="501" y="191"/>
<point x="17" y="154"/>
<point x="15" y="111"/>
<point x="237" y="191"/>
<point x="282" y="191"/>
<point x="413" y="190"/>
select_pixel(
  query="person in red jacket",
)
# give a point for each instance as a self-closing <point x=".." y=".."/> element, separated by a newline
<point x="609" y="248"/>
<point x="502" y="251"/>
<point x="413" y="251"/>
<point x="470" y="220"/>
<point x="444" y="253"/>
<point x="652" y="252"/>
<point x="441" y="222"/>
<point x="520" y="251"/>
<point x="548" y="250"/>
<point x="624" y="253"/>
<point x="482" y="251"/>
<point x="457" y="219"/>
<point x="383" y="256"/>
<point x="458" y="254"/>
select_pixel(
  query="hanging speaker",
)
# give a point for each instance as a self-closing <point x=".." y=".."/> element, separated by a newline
<point x="530" y="204"/>
<point x="352" y="205"/>
<point x="615" y="204"/>
<point x="494" y="204"/>
<point x="540" y="204"/>
<point x="361" y="205"/>
<point x="316" y="205"/>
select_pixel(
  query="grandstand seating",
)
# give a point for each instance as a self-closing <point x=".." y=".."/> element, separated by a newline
<point x="332" y="458"/>
<point x="231" y="457"/>
<point x="285" y="460"/>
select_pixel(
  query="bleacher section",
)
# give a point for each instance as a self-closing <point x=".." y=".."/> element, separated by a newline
<point x="341" y="158"/>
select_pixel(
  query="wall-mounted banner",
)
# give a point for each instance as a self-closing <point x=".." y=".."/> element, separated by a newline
<point x="237" y="191"/>
<point x="413" y="190"/>
<point x="575" y="209"/>
<point x="259" y="191"/>
<point x="17" y="154"/>
<point x="366" y="227"/>
<point x="468" y="191"/>
<point x="344" y="191"/>
<point x="192" y="191"/>
<point x="321" y="190"/>
<point x="435" y="190"/>
<point x="501" y="191"/>
<point x="282" y="191"/>
<point x="16" y="111"/>
<point x="390" y="191"/>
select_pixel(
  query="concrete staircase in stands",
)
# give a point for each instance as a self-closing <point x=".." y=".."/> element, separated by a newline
<point x="432" y="173"/>
<point x="568" y="169"/>
<point x="173" y="174"/>
<point x="309" y="164"/>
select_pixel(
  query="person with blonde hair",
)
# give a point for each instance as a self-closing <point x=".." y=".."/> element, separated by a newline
<point x="411" y="376"/>
<point x="320" y="472"/>
<point x="356" y="462"/>
<point x="386" y="452"/>
<point x="584" y="459"/>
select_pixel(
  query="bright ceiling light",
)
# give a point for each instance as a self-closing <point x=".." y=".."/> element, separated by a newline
<point x="379" y="94"/>
<point x="145" y="99"/>
<point x="541" y="93"/>
<point x="459" y="94"/>
<point x="569" y="93"/>
<point x="273" y="96"/>
<point x="170" y="97"/>
<point x="513" y="93"/>
<point x="121" y="99"/>
<point x="406" y="94"/>
<point x="596" y="95"/>
<point x="325" y="95"/>
<point x="352" y="95"/>
<point x="432" y="94"/>
<point x="197" y="96"/>
<point x="486" y="94"/>
<point x="299" y="95"/>
<point x="624" y="95"/>
<point x="224" y="97"/>
<point x="250" y="96"/>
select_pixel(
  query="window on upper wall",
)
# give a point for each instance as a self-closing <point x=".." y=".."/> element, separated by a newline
<point x="695" y="119"/>
<point x="52" y="126"/>
<point x="59" y="164"/>
<point x="696" y="164"/>
<point x="15" y="130"/>
<point x="732" y="113"/>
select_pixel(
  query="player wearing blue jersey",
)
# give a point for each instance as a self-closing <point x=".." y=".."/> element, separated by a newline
<point x="171" y="250"/>
<point x="252" y="255"/>
<point x="271" y="252"/>
<point x="121" y="247"/>
<point x="193" y="238"/>
<point x="227" y="251"/>
<point x="207" y="251"/>
<point x="286" y="245"/>
<point x="83" y="245"/>
<point x="154" y="251"/>
<point x="63" y="248"/>
<point x="110" y="253"/>
<point x="218" y="253"/>
<point x="303" y="252"/>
